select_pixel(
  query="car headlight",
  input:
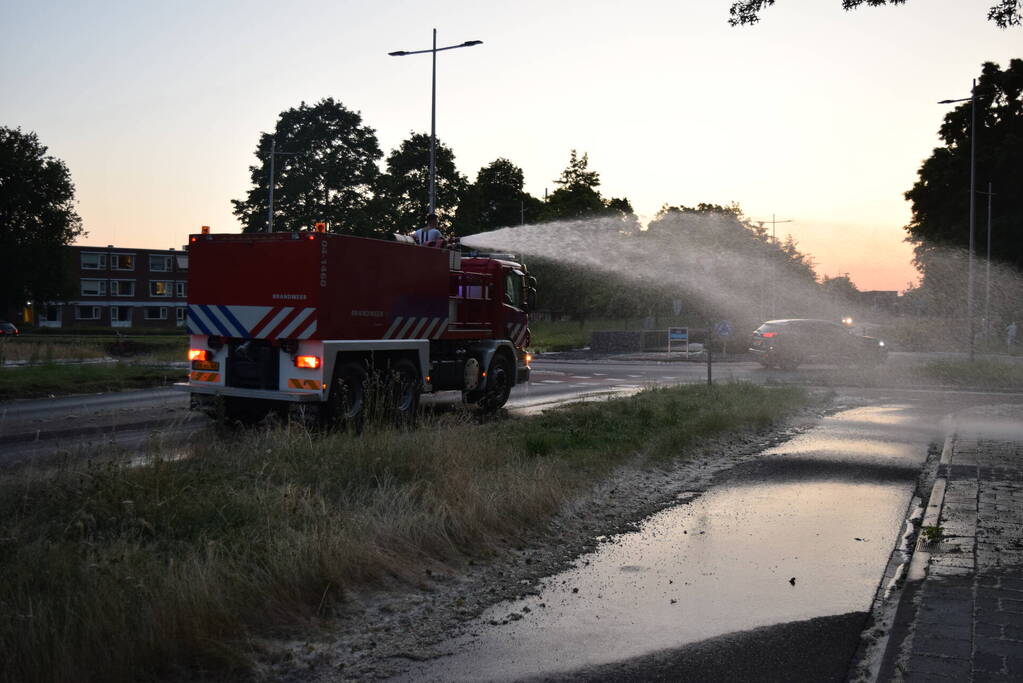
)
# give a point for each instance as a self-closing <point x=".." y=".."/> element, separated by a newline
<point x="880" y="343"/>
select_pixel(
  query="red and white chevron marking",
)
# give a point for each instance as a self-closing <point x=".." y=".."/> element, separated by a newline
<point x="286" y="322"/>
<point x="517" y="333"/>
<point x="416" y="328"/>
<point x="252" y="322"/>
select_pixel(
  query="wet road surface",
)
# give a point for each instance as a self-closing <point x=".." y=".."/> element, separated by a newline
<point x="799" y="536"/>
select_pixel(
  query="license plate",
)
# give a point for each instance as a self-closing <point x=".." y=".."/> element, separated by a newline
<point x="205" y="365"/>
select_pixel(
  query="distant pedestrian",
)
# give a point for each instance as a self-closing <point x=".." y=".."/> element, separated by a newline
<point x="1010" y="336"/>
<point x="429" y="235"/>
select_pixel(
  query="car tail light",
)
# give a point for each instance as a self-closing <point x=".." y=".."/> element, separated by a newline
<point x="310" y="362"/>
<point x="198" y="354"/>
<point x="768" y="335"/>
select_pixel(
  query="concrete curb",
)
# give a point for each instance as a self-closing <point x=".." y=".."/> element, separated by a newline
<point x="903" y="613"/>
<point x="932" y="515"/>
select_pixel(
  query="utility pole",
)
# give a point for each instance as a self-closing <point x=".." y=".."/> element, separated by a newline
<point x="987" y="283"/>
<point x="973" y="202"/>
<point x="973" y="211"/>
<point x="270" y="202"/>
<point x="433" y="105"/>
<point x="774" y="266"/>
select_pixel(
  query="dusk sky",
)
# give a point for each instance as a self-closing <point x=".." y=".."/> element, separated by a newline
<point x="814" y="114"/>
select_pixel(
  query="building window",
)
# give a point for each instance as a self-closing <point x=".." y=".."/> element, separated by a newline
<point x="182" y="260"/>
<point x="94" y="261"/>
<point x="122" y="261"/>
<point x="122" y="288"/>
<point x="160" y="287"/>
<point x="120" y="314"/>
<point x="94" y="287"/>
<point x="49" y="313"/>
<point x="87" y="312"/>
<point x="180" y="314"/>
<point x="160" y="264"/>
<point x="181" y="289"/>
<point x="156" y="313"/>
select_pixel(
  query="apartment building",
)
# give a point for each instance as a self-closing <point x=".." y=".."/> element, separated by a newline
<point x="122" y="288"/>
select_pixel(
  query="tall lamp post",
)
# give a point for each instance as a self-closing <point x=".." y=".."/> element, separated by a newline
<point x="270" y="200"/>
<point x="972" y="99"/>
<point x="774" y="266"/>
<point x="987" y="266"/>
<point x="433" y="105"/>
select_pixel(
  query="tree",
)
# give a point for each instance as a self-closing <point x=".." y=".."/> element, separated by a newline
<point x="403" y="193"/>
<point x="576" y="197"/>
<point x="1004" y="13"/>
<point x="37" y="219"/>
<point x="325" y="170"/>
<point x="940" y="199"/>
<point x="840" y="287"/>
<point x="495" y="200"/>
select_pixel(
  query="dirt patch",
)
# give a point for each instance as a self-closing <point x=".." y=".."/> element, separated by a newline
<point x="377" y="633"/>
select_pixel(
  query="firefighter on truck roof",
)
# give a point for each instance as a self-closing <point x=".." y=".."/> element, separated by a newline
<point x="429" y="235"/>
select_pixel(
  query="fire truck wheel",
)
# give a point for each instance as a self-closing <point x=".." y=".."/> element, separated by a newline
<point x="499" y="383"/>
<point x="345" y="405"/>
<point x="405" y="392"/>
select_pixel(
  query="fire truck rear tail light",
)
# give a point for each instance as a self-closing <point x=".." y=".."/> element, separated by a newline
<point x="311" y="362"/>
<point x="198" y="354"/>
<point x="529" y="358"/>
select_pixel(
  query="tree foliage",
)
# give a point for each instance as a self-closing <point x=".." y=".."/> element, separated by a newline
<point x="940" y="198"/>
<point x="1004" y="13"/>
<point x="577" y="197"/>
<point x="403" y="193"/>
<point x="325" y="170"/>
<point x="37" y="219"/>
<point x="840" y="287"/>
<point x="495" y="200"/>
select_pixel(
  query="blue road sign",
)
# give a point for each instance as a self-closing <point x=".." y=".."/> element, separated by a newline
<point x="723" y="328"/>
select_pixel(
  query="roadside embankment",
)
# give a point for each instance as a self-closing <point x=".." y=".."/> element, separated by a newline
<point x="185" y="559"/>
<point x="59" y="379"/>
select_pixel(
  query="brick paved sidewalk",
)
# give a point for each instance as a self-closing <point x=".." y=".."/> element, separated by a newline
<point x="968" y="619"/>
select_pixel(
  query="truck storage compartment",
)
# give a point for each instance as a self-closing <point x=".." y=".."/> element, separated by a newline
<point x="253" y="364"/>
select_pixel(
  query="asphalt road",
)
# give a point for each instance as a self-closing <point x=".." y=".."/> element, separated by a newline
<point x="42" y="427"/>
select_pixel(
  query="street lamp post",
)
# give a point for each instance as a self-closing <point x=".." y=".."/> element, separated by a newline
<point x="973" y="198"/>
<point x="987" y="266"/>
<point x="270" y="200"/>
<point x="774" y="266"/>
<point x="433" y="105"/>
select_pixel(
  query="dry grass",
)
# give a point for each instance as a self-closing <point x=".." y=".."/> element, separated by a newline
<point x="47" y="352"/>
<point x="179" y="560"/>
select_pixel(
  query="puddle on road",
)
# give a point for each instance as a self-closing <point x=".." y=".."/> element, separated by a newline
<point x="718" y="563"/>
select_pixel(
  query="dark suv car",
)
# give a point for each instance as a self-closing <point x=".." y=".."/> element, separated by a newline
<point x="789" y="343"/>
<point x="8" y="329"/>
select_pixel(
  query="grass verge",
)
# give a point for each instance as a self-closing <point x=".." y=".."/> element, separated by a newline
<point x="981" y="372"/>
<point x="44" y="380"/>
<point x="180" y="560"/>
<point x="45" y="349"/>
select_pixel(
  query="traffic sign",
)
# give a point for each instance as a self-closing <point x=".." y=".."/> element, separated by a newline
<point x="723" y="329"/>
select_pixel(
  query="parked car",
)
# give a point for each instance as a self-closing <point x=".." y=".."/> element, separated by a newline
<point x="7" y="328"/>
<point x="789" y="343"/>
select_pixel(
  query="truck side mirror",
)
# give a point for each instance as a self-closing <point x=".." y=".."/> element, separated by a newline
<point x="531" y="297"/>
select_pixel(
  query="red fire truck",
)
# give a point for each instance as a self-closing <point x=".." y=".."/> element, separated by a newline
<point x="307" y="318"/>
